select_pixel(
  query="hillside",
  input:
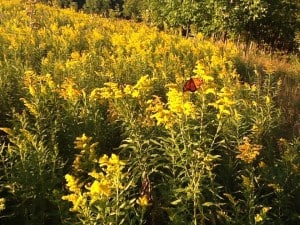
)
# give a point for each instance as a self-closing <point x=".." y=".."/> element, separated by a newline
<point x="108" y="121"/>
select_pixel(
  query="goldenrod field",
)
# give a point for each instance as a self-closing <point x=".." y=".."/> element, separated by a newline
<point x="96" y="128"/>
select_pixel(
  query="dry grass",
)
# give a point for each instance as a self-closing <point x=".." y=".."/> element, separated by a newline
<point x="282" y="65"/>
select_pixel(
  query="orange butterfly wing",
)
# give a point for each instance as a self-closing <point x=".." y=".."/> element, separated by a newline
<point x="198" y="82"/>
<point x="192" y="84"/>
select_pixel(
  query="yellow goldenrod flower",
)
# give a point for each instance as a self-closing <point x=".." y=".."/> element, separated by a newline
<point x="102" y="187"/>
<point x="115" y="160"/>
<point x="128" y="89"/>
<point x="247" y="182"/>
<point x="178" y="105"/>
<point x="262" y="164"/>
<point x="248" y="152"/>
<point x="69" y="92"/>
<point x="201" y="71"/>
<point x="143" y="201"/>
<point x="2" y="204"/>
<point x="96" y="175"/>
<point x="268" y="100"/>
<point x="258" y="218"/>
<point x="32" y="90"/>
<point x="82" y="142"/>
<point x="31" y="107"/>
<point x="75" y="55"/>
<point x="277" y="188"/>
<point x="266" y="209"/>
<point x="104" y="160"/>
<point x="253" y="88"/>
<point x="79" y="202"/>
<point x="210" y="91"/>
<point x="72" y="183"/>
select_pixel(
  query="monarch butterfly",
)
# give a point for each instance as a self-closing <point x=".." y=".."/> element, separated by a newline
<point x="192" y="84"/>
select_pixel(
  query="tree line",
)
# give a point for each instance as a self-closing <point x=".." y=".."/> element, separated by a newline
<point x="274" y="23"/>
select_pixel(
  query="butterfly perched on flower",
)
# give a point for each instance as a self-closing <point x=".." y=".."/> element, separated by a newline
<point x="192" y="84"/>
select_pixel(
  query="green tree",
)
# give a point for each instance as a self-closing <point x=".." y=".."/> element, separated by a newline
<point x="133" y="8"/>
<point x="97" y="6"/>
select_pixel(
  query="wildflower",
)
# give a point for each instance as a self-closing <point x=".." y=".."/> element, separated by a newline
<point x="210" y="91"/>
<point x="159" y="113"/>
<point x="266" y="209"/>
<point x="268" y="100"/>
<point x="72" y="183"/>
<point x="164" y="117"/>
<point x="75" y="55"/>
<point x="255" y="128"/>
<point x="248" y="152"/>
<point x="143" y="83"/>
<point x="111" y="90"/>
<point x="143" y="201"/>
<point x="247" y="182"/>
<point x="113" y="167"/>
<point x="96" y="175"/>
<point x="102" y="187"/>
<point x="75" y="199"/>
<point x="128" y="89"/>
<point x="177" y="105"/>
<point x="200" y="70"/>
<point x="115" y="160"/>
<point x="69" y="92"/>
<point x="277" y="188"/>
<point x="258" y="218"/>
<point x="2" y="204"/>
<point x="224" y="102"/>
<point x="33" y="109"/>
<point x="262" y="164"/>
<point x="82" y="142"/>
<point x="32" y="90"/>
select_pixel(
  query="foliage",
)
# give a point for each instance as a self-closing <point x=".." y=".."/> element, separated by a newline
<point x="268" y="22"/>
<point x="97" y="130"/>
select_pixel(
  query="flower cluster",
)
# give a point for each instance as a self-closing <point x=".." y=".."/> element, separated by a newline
<point x="224" y="103"/>
<point x="103" y="181"/>
<point x="248" y="152"/>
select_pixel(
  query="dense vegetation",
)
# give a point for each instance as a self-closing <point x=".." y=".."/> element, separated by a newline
<point x="272" y="23"/>
<point x="95" y="127"/>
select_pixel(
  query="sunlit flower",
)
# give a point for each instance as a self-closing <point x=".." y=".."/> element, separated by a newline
<point x="258" y="218"/>
<point x="72" y="183"/>
<point x="82" y="142"/>
<point x="178" y="105"/>
<point x="268" y="100"/>
<point x="96" y="175"/>
<point x="158" y="112"/>
<point x="202" y="72"/>
<point x="75" y="55"/>
<point x="101" y="187"/>
<point x="224" y="103"/>
<point x="143" y="201"/>
<point x="69" y="92"/>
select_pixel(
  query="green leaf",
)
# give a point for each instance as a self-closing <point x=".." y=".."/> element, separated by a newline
<point x="176" y="202"/>
<point x="208" y="204"/>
